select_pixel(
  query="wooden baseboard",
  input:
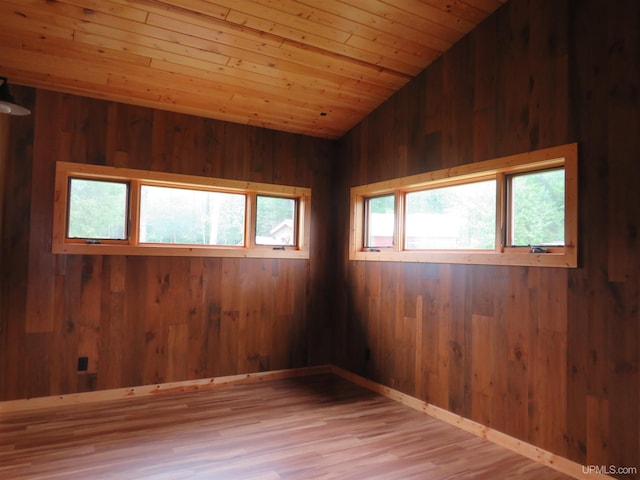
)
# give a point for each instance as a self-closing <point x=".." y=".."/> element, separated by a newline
<point x="539" y="455"/>
<point x="146" y="390"/>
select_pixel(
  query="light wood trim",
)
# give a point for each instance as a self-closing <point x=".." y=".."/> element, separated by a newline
<point x="565" y="257"/>
<point x="544" y="158"/>
<point x="134" y="212"/>
<point x="177" y="251"/>
<point x="525" y="449"/>
<point x="571" y="205"/>
<point x="501" y="217"/>
<point x="60" y="202"/>
<point x="398" y="224"/>
<point x="147" y="390"/>
<point x="356" y="224"/>
<point x="63" y="245"/>
<point x="489" y="257"/>
<point x="304" y="219"/>
<point x="252" y="219"/>
<point x="176" y="179"/>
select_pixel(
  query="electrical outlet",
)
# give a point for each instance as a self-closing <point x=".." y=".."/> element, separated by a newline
<point x="83" y="364"/>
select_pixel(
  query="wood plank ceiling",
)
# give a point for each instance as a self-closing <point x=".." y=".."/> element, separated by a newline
<point x="314" y="67"/>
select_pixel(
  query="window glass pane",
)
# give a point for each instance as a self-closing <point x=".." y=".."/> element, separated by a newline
<point x="97" y="209"/>
<point x="380" y="220"/>
<point x="275" y="221"/>
<point x="455" y="217"/>
<point x="538" y="208"/>
<point x="183" y="216"/>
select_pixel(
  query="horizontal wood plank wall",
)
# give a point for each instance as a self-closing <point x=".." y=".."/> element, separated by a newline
<point x="547" y="356"/>
<point x="149" y="320"/>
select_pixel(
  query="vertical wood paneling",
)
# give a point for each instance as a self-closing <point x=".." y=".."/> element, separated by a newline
<point x="197" y="319"/>
<point x="229" y="351"/>
<point x="519" y="367"/>
<point x="486" y="90"/>
<point x="500" y="349"/>
<point x="623" y="143"/>
<point x="514" y="78"/>
<point x="145" y="320"/>
<point x="4" y="152"/>
<point x="113" y="326"/>
<point x="63" y="379"/>
<point x="158" y="280"/>
<point x="482" y="383"/>
<point x="15" y="244"/>
<point x="40" y="293"/>
<point x="177" y="345"/>
<point x="459" y="354"/>
<point x="623" y="361"/>
<point x="88" y="322"/>
<point x="70" y="283"/>
<point x="135" y="340"/>
<point x="546" y="355"/>
<point x="598" y="430"/>
<point x="586" y="359"/>
<point x="442" y="305"/>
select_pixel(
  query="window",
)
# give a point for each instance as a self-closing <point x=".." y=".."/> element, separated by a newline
<point x="187" y="216"/>
<point x="456" y="217"/>
<point x="106" y="210"/>
<point x="380" y="222"/>
<point x="516" y="210"/>
<point x="536" y="215"/>
<point x="97" y="209"/>
<point x="275" y="221"/>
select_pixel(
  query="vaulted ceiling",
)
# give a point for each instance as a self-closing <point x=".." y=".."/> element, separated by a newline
<point x="315" y="67"/>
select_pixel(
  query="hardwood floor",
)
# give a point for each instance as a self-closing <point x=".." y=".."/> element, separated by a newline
<point x="315" y="427"/>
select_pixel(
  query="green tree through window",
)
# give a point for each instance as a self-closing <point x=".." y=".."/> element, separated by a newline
<point x="185" y="216"/>
<point x="538" y="208"/>
<point x="97" y="209"/>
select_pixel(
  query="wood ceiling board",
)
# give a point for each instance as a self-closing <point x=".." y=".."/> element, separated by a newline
<point x="277" y="64"/>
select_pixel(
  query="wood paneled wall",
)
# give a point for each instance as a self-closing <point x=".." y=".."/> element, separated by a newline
<point x="549" y="356"/>
<point x="145" y="320"/>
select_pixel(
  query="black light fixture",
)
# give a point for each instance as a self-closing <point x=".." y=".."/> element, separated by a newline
<point x="7" y="103"/>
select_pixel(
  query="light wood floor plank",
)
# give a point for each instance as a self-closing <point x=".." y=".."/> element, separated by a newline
<point x="316" y="427"/>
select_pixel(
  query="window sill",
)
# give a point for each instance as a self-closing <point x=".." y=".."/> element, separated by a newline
<point x="178" y="251"/>
<point x="566" y="259"/>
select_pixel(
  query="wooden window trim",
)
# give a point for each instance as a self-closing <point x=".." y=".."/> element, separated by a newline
<point x="566" y="257"/>
<point x="132" y="246"/>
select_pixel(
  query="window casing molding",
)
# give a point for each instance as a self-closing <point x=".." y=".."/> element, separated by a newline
<point x="564" y="156"/>
<point x="61" y="244"/>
